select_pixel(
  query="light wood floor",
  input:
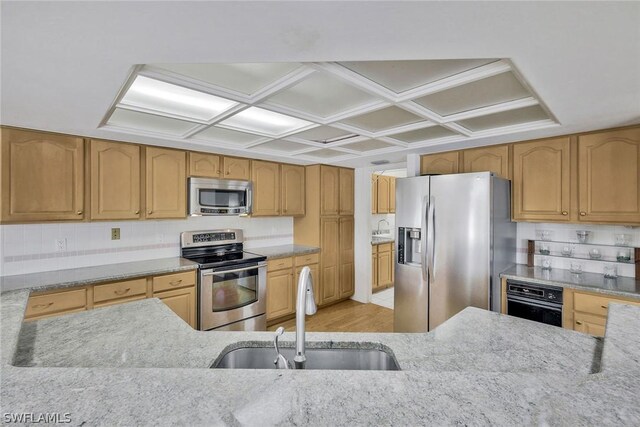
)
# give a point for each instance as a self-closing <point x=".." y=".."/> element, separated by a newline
<point x="346" y="316"/>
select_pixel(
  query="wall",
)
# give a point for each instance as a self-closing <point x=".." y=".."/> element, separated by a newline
<point x="600" y="234"/>
<point x="32" y="247"/>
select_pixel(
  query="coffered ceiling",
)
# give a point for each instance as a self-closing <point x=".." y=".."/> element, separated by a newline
<point x="323" y="111"/>
<point x="336" y="82"/>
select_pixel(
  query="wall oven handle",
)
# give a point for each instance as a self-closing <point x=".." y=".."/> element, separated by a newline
<point x="235" y="270"/>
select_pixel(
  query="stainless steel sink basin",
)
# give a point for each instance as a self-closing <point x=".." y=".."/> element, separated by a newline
<point x="317" y="358"/>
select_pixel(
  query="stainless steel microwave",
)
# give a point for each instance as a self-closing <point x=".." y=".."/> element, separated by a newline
<point x="210" y="196"/>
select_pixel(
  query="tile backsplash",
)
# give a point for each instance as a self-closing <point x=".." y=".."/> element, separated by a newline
<point x="599" y="235"/>
<point x="29" y="248"/>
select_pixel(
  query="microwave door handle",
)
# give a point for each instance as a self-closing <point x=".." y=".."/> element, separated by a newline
<point x="211" y="272"/>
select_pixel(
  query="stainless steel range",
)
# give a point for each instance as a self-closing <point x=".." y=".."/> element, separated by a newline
<point x="231" y="282"/>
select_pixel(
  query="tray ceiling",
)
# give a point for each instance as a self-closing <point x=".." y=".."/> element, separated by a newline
<point x="327" y="111"/>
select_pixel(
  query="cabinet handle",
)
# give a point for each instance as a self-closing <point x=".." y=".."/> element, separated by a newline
<point x="583" y="214"/>
<point x="79" y="212"/>
<point x="121" y="292"/>
<point x="175" y="282"/>
<point x="565" y="213"/>
<point x="39" y="306"/>
<point x="604" y="306"/>
<point x="578" y="322"/>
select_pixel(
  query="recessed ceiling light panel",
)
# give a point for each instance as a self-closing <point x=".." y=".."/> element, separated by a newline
<point x="266" y="122"/>
<point x="151" y="94"/>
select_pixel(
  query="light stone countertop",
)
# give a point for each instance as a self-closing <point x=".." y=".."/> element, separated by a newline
<point x="284" y="251"/>
<point x="622" y="286"/>
<point x="59" y="279"/>
<point x="145" y="366"/>
<point x="377" y="240"/>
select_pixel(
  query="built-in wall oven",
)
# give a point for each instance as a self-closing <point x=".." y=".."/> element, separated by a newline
<point x="540" y="303"/>
<point x="231" y="282"/>
<point x="210" y="196"/>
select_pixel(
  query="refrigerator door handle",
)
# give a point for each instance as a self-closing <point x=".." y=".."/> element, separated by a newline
<point x="423" y="238"/>
<point x="431" y="238"/>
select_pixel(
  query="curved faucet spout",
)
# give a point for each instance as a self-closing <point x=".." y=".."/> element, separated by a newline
<point x="305" y="304"/>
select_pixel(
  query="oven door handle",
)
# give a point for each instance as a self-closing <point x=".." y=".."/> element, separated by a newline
<point x="236" y="270"/>
<point x="540" y="304"/>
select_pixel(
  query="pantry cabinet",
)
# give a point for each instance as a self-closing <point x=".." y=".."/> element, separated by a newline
<point x="114" y="180"/>
<point x="608" y="177"/>
<point x="440" y="163"/>
<point x="330" y="259"/>
<point x="541" y="188"/>
<point x="42" y="176"/>
<point x="347" y="268"/>
<point x="292" y="179"/>
<point x="494" y="159"/>
<point x="166" y="183"/>
<point x="346" y="180"/>
<point x="329" y="190"/>
<point x="266" y="188"/>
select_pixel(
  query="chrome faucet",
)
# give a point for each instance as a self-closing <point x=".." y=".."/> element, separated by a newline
<point x="281" y="362"/>
<point x="305" y="304"/>
<point x="388" y="225"/>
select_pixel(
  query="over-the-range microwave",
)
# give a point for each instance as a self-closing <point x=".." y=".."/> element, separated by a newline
<point x="210" y="196"/>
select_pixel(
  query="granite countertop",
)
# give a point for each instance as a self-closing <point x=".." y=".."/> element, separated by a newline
<point x="376" y="240"/>
<point x="622" y="286"/>
<point x="58" y="279"/>
<point x="284" y="251"/>
<point x="146" y="366"/>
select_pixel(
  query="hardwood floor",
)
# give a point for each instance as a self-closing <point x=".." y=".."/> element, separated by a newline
<point x="346" y="316"/>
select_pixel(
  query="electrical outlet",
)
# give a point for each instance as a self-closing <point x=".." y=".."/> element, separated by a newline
<point x="61" y="245"/>
<point x="115" y="234"/>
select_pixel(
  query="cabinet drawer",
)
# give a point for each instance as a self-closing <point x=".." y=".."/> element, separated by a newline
<point x="118" y="290"/>
<point x="119" y="301"/>
<point x="307" y="259"/>
<point x="594" y="304"/>
<point x="385" y="247"/>
<point x="174" y="281"/>
<point x="52" y="303"/>
<point x="279" y="264"/>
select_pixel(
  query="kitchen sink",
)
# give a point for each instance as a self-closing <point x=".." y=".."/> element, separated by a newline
<point x="317" y="358"/>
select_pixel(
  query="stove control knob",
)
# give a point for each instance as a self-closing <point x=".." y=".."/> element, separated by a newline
<point x="552" y="296"/>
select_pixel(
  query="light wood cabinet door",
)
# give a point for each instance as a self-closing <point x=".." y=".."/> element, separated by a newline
<point x="541" y="180"/>
<point x="374" y="271"/>
<point x="182" y="302"/>
<point x="385" y="267"/>
<point x="439" y="163"/>
<point x="205" y="165"/>
<point x="166" y="183"/>
<point x="487" y="159"/>
<point x="293" y="190"/>
<point x="315" y="277"/>
<point x="347" y="268"/>
<point x="329" y="190"/>
<point x="384" y="188"/>
<point x="609" y="177"/>
<point x="329" y="259"/>
<point x="236" y="168"/>
<point x="280" y="294"/>
<point x="266" y="188"/>
<point x="374" y="193"/>
<point x="392" y="194"/>
<point x="346" y="191"/>
<point x="42" y="176"/>
<point x="56" y="304"/>
<point x="589" y="324"/>
<point x="115" y="180"/>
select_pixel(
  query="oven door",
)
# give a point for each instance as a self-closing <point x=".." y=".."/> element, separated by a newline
<point x="233" y="293"/>
<point x="538" y="311"/>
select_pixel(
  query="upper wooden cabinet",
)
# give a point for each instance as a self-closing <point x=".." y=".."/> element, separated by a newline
<point x="383" y="194"/>
<point x="236" y="168"/>
<point x="266" y="188"/>
<point x="392" y="194"/>
<point x="346" y="191"/>
<point x="42" y="176"/>
<point x="608" y="176"/>
<point x="329" y="190"/>
<point x="374" y="193"/>
<point x="492" y="159"/>
<point x="383" y="188"/>
<point x="115" y="180"/>
<point x="205" y="165"/>
<point x="292" y="196"/>
<point x="439" y="163"/>
<point x="541" y="187"/>
<point x="166" y="183"/>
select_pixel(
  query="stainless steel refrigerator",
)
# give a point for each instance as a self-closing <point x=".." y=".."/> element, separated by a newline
<point x="455" y="237"/>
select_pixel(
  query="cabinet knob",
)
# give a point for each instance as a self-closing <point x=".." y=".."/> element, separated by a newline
<point x="583" y="214"/>
<point x="137" y="212"/>
<point x="79" y="212"/>
<point x="219" y="172"/>
<point x="228" y="173"/>
<point x="578" y="322"/>
<point x="150" y="212"/>
<point x="565" y="213"/>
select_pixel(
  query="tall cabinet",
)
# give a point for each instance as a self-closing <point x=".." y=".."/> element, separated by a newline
<point x="329" y="224"/>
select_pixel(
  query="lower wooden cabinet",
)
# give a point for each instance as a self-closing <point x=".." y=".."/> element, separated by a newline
<point x="587" y="312"/>
<point x="282" y="284"/>
<point x="176" y="290"/>
<point x="589" y="324"/>
<point x="383" y="266"/>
